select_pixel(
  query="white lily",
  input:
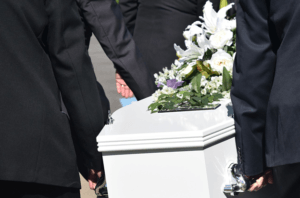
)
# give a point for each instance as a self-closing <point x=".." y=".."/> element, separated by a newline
<point x="232" y="24"/>
<point x="187" y="71"/>
<point x="192" y="30"/>
<point x="214" y="21"/>
<point x="203" y="42"/>
<point x="193" y="51"/>
<point x="177" y="64"/>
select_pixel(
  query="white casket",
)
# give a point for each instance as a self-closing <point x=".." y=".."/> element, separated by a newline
<point x="170" y="155"/>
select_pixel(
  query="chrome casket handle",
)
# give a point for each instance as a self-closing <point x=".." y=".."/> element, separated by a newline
<point x="240" y="183"/>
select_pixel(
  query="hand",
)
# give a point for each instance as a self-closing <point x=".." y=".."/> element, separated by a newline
<point x="261" y="180"/>
<point x="93" y="177"/>
<point x="122" y="87"/>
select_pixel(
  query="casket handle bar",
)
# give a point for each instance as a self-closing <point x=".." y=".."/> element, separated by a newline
<point x="240" y="182"/>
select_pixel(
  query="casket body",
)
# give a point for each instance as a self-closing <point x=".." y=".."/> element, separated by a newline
<point x="169" y="155"/>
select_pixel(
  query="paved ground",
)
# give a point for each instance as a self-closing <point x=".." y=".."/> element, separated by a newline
<point x="105" y="73"/>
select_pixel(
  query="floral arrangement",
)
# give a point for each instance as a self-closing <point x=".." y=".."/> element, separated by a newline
<point x="203" y="72"/>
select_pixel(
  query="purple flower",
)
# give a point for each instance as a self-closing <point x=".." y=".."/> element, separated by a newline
<point x="159" y="84"/>
<point x="174" y="84"/>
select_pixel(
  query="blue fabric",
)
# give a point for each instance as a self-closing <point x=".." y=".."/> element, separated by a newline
<point x="124" y="102"/>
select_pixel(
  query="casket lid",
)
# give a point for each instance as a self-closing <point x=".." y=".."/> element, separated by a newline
<point x="135" y="128"/>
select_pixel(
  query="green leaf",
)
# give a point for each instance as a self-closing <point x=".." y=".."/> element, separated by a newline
<point x="226" y="48"/>
<point x="171" y="99"/>
<point x="170" y="105"/>
<point x="198" y="100"/>
<point x="194" y="103"/>
<point x="205" y="70"/>
<point x="232" y="16"/>
<point x="196" y="83"/>
<point x="208" y="54"/>
<point x="192" y="74"/>
<point x="163" y="96"/>
<point x="227" y="80"/>
<point x="186" y="93"/>
<point x="154" y="106"/>
<point x="205" y="101"/>
<point x="210" y="99"/>
<point x="198" y="95"/>
<point x="217" y="96"/>
<point x="231" y="53"/>
<point x="234" y="30"/>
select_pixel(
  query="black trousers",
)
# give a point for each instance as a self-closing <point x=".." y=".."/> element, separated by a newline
<point x="31" y="190"/>
<point x="287" y="180"/>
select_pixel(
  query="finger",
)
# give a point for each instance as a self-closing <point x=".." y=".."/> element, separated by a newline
<point x="127" y="92"/>
<point x="260" y="182"/>
<point x="91" y="185"/>
<point x="252" y="187"/>
<point x="121" y="81"/>
<point x="123" y="92"/>
<point x="118" y="87"/>
<point x="268" y="177"/>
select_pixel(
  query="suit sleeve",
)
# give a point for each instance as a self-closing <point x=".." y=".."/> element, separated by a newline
<point x="129" y="10"/>
<point x="253" y="75"/>
<point x="106" y="22"/>
<point x="75" y="77"/>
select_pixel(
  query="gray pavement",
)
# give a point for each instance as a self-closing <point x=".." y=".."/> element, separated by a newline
<point x="105" y="73"/>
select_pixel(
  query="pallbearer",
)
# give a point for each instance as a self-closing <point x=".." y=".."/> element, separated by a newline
<point x="43" y="56"/>
<point x="265" y="93"/>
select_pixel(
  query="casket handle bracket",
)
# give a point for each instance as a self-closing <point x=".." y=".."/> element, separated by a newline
<point x="110" y="119"/>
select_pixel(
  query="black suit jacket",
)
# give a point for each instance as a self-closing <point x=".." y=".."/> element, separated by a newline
<point x="104" y="18"/>
<point x="157" y="24"/>
<point x="36" y="143"/>
<point x="265" y="90"/>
